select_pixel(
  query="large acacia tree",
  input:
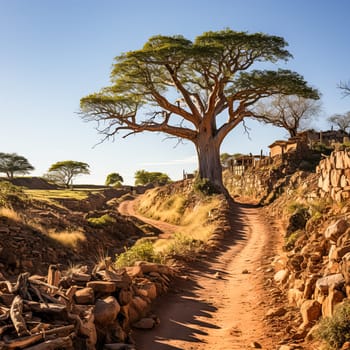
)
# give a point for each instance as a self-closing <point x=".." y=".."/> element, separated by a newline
<point x="195" y="90"/>
<point x="65" y="171"/>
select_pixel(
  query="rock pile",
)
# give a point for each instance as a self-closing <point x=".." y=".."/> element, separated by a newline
<point x="80" y="310"/>
<point x="316" y="274"/>
<point x="334" y="180"/>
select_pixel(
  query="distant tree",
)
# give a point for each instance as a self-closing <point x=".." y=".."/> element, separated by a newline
<point x="143" y="177"/>
<point x="12" y="163"/>
<point x="290" y="112"/>
<point x="224" y="157"/>
<point x="342" y="121"/>
<point x="345" y="87"/>
<point x="196" y="90"/>
<point x="113" y="179"/>
<point x="65" y="171"/>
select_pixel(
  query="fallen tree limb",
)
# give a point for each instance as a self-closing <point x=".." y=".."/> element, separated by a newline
<point x="21" y="343"/>
<point x="17" y="318"/>
<point x="59" y="343"/>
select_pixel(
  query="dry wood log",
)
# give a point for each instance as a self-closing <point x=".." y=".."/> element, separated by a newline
<point x="17" y="318"/>
<point x="21" y="343"/>
<point x="5" y="328"/>
<point x="53" y="277"/>
<point x="4" y="313"/>
<point x="49" y="309"/>
<point x="42" y="283"/>
<point x="8" y="285"/>
<point x="6" y="299"/>
<point x="38" y="327"/>
<point x="21" y="286"/>
<point x="38" y="294"/>
<point x="59" y="343"/>
<point x="55" y="300"/>
<point x="81" y="277"/>
<point x="61" y="331"/>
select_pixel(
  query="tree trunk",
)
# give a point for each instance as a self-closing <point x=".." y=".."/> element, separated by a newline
<point x="292" y="132"/>
<point x="208" y="150"/>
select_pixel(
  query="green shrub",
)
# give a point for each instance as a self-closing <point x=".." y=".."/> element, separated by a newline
<point x="291" y="239"/>
<point x="140" y="251"/>
<point x="11" y="194"/>
<point x="335" y="331"/>
<point x="183" y="245"/>
<point x="205" y="186"/>
<point x="322" y="148"/>
<point x="101" y="221"/>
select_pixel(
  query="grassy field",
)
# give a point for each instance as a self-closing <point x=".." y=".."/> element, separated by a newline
<point x="48" y="195"/>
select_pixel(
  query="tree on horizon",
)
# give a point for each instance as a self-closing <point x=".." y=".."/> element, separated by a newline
<point x="114" y="179"/>
<point x="290" y="112"/>
<point x="12" y="163"/>
<point x="65" y="171"/>
<point x="342" y="121"/>
<point x="194" y="90"/>
<point x="144" y="177"/>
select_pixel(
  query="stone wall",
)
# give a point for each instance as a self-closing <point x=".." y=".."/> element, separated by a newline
<point x="334" y="172"/>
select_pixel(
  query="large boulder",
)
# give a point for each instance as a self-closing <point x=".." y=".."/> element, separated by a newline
<point x="106" y="310"/>
<point x="335" y="230"/>
<point x="310" y="312"/>
<point x="323" y="284"/>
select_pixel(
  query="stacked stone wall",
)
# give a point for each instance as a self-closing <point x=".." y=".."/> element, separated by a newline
<point x="334" y="176"/>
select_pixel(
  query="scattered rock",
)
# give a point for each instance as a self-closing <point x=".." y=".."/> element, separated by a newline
<point x="279" y="311"/>
<point x="255" y="345"/>
<point x="144" y="323"/>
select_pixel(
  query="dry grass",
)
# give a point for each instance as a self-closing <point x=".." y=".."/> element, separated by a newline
<point x="171" y="209"/>
<point x="10" y="214"/>
<point x="51" y="194"/>
<point x="67" y="238"/>
<point x="195" y="224"/>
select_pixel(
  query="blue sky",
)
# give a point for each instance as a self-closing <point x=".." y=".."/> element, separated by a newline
<point x="53" y="52"/>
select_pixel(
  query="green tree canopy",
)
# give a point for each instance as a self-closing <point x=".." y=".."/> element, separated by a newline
<point x="143" y="177"/>
<point x="195" y="90"/>
<point x="12" y="163"/>
<point x="113" y="179"/>
<point x="65" y="171"/>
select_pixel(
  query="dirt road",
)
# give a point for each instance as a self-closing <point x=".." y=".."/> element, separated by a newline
<point x="222" y="301"/>
<point x="128" y="208"/>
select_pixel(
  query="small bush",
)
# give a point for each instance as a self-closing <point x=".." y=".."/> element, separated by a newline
<point x="10" y="194"/>
<point x="291" y="239"/>
<point x="205" y="186"/>
<point x="183" y="246"/>
<point x="140" y="251"/>
<point x="335" y="331"/>
<point x="322" y="148"/>
<point x="101" y="221"/>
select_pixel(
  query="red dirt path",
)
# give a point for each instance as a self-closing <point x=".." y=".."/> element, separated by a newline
<point x="221" y="302"/>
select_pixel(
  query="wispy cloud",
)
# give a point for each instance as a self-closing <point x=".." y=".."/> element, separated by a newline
<point x="187" y="160"/>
